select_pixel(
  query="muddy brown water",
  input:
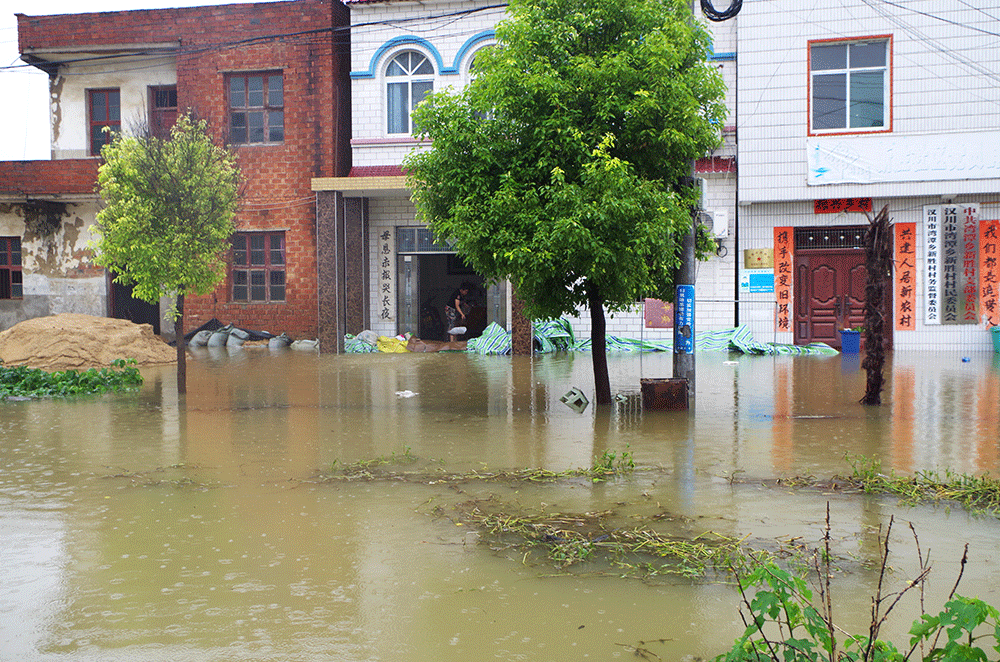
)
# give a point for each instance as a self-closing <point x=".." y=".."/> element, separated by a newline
<point x="135" y="527"/>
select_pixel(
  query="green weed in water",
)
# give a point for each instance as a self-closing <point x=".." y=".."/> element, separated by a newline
<point x="24" y="382"/>
<point x="979" y="494"/>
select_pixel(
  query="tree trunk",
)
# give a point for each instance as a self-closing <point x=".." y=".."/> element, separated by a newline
<point x="181" y="347"/>
<point x="598" y="346"/>
<point x="878" y="261"/>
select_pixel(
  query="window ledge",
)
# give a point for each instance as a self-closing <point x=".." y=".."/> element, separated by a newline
<point x="401" y="140"/>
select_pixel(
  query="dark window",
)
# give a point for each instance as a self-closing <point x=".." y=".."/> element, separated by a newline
<point x="163" y="110"/>
<point x="104" y="109"/>
<point x="10" y="268"/>
<point x="258" y="268"/>
<point x="256" y="109"/>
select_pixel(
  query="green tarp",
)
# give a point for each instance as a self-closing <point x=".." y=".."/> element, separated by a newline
<point x="557" y="335"/>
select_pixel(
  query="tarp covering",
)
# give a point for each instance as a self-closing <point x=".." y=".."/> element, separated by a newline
<point x="557" y="335"/>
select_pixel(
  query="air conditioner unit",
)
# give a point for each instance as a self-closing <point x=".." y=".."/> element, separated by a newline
<point x="702" y="185"/>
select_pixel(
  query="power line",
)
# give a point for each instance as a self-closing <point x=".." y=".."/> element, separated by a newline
<point x="221" y="46"/>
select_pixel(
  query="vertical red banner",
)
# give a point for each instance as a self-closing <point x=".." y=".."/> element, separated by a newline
<point x="989" y="271"/>
<point x="905" y="294"/>
<point x="784" y="245"/>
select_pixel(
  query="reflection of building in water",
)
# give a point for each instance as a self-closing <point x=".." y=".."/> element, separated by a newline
<point x="944" y="416"/>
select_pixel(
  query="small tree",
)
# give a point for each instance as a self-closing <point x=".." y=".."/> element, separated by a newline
<point x="557" y="167"/>
<point x="168" y="216"/>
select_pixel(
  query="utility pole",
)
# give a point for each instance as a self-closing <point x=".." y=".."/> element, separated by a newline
<point x="684" y="361"/>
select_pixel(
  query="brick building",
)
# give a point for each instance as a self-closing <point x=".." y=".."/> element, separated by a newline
<point x="269" y="78"/>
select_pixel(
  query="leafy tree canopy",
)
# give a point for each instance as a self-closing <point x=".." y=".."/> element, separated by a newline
<point x="557" y="166"/>
<point x="169" y="210"/>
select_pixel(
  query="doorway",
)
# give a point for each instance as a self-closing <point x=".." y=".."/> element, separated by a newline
<point x="829" y="294"/>
<point x="427" y="274"/>
<point x="126" y="307"/>
<point x="427" y="280"/>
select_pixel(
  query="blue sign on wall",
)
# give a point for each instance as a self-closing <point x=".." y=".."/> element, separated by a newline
<point x="757" y="281"/>
<point x="684" y="320"/>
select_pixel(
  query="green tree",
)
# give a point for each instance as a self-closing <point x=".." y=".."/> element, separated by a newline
<point x="558" y="166"/>
<point x="168" y="216"/>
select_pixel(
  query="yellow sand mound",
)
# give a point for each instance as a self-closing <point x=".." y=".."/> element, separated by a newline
<point x="71" y="340"/>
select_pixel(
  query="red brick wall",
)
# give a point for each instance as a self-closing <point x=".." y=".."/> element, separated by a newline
<point x="276" y="193"/>
<point x="71" y="177"/>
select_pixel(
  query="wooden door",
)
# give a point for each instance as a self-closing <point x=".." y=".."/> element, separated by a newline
<point x="829" y="294"/>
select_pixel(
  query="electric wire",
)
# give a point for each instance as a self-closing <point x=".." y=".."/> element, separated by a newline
<point x="335" y="31"/>
<point x="712" y="14"/>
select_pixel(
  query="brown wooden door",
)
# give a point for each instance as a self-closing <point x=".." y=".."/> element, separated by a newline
<point x="829" y="294"/>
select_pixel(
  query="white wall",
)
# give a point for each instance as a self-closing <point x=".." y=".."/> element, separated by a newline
<point x="758" y="233"/>
<point x="68" y="98"/>
<point x="945" y="79"/>
<point x="431" y="28"/>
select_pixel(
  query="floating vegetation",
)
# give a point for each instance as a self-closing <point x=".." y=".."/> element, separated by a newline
<point x="24" y="382"/>
<point x="610" y="465"/>
<point x="978" y="494"/>
<point x="569" y="539"/>
<point x="163" y="477"/>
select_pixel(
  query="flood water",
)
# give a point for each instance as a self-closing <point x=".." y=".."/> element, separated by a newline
<point x="137" y="527"/>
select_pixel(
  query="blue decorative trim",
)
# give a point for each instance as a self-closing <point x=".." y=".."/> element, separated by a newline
<point x="719" y="57"/>
<point x="393" y="43"/>
<point x="469" y="44"/>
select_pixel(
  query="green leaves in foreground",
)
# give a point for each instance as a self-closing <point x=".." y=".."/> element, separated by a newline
<point x="782" y="603"/>
<point x="34" y="383"/>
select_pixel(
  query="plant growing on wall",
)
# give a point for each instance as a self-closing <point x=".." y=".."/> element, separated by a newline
<point x="168" y="216"/>
<point x="557" y="167"/>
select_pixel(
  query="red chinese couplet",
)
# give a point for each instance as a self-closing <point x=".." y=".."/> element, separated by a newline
<point x="906" y="276"/>
<point x="989" y="271"/>
<point x="784" y="245"/>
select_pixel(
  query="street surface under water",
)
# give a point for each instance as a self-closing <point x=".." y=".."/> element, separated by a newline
<point x="138" y="527"/>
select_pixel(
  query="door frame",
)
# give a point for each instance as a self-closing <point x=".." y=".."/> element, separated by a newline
<point x="814" y="241"/>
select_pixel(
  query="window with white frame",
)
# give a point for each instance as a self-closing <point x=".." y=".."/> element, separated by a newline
<point x="849" y="83"/>
<point x="409" y="78"/>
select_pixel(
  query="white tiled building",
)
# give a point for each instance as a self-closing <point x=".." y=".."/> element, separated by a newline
<point x="839" y="108"/>
<point x="399" y="49"/>
<point x="857" y="104"/>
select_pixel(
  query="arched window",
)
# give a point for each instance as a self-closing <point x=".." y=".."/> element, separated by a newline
<point x="409" y="78"/>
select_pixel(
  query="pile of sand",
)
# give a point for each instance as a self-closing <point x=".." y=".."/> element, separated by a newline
<point x="71" y="340"/>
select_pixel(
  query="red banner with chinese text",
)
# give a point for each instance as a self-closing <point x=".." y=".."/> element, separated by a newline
<point x="905" y="294"/>
<point x="838" y="205"/>
<point x="784" y="245"/>
<point x="989" y="271"/>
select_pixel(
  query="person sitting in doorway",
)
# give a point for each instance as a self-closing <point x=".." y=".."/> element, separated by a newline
<point x="456" y="308"/>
